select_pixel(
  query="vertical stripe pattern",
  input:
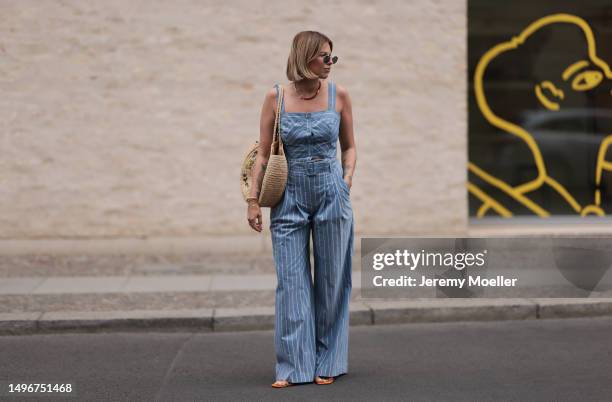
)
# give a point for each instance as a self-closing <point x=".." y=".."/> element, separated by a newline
<point x="311" y="333"/>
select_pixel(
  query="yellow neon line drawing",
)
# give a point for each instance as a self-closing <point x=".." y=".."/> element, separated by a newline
<point x="547" y="103"/>
<point x="550" y="97"/>
<point x="573" y="68"/>
<point x="488" y="202"/>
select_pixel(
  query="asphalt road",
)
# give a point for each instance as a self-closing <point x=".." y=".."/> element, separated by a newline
<point x="544" y="360"/>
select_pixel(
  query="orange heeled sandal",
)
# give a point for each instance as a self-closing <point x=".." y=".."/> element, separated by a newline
<point x="324" y="381"/>
<point x="281" y="384"/>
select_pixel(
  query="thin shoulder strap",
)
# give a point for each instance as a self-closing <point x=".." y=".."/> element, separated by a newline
<point x="277" y="86"/>
<point x="331" y="96"/>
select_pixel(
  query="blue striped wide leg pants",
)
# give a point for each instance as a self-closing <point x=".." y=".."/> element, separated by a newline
<point x="312" y="319"/>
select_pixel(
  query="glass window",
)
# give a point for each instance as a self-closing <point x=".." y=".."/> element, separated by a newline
<point x="540" y="108"/>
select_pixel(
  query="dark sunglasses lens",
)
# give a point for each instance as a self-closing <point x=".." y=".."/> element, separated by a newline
<point x="327" y="58"/>
<point x="334" y="59"/>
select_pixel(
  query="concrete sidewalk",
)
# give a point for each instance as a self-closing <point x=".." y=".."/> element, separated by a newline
<point x="43" y="295"/>
<point x="136" y="284"/>
<point x="262" y="318"/>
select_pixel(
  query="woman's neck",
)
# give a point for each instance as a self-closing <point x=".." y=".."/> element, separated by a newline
<point x="306" y="86"/>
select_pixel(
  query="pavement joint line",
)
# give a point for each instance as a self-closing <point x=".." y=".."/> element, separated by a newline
<point x="128" y="277"/>
<point x="37" y="323"/>
<point x="261" y="318"/>
<point x="372" y="317"/>
<point x="39" y="284"/>
<point x="537" y="307"/>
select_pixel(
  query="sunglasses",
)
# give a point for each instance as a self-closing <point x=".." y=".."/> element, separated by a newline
<point x="327" y="58"/>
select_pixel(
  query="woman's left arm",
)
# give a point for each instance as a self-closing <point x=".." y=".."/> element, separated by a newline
<point x="347" y="139"/>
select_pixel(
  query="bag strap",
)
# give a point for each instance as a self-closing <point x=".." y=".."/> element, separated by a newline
<point x="276" y="148"/>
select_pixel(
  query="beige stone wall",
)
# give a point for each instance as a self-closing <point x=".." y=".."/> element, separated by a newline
<point x="130" y="119"/>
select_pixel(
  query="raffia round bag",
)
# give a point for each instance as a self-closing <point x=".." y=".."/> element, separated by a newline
<point x="275" y="176"/>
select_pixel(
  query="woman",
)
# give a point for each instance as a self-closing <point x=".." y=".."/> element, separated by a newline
<point x="312" y="321"/>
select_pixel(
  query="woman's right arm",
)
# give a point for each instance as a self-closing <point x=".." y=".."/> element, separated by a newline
<point x="266" y="126"/>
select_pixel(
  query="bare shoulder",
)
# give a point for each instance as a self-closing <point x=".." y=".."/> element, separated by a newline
<point x="342" y="91"/>
<point x="270" y="100"/>
<point x="271" y="94"/>
<point x="343" y="99"/>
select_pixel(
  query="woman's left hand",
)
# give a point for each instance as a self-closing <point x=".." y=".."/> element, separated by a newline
<point x="348" y="181"/>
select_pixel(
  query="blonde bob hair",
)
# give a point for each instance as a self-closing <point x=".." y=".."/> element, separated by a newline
<point x="305" y="48"/>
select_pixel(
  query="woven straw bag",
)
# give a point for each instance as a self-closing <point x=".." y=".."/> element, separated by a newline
<point x="275" y="176"/>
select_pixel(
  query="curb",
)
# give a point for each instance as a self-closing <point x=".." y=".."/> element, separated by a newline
<point x="262" y="318"/>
